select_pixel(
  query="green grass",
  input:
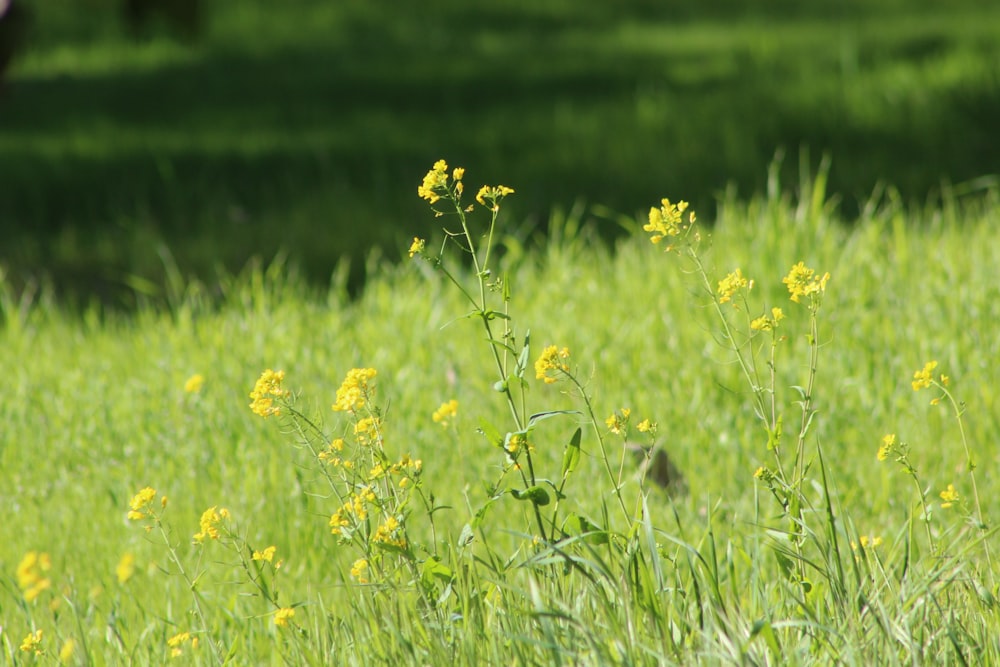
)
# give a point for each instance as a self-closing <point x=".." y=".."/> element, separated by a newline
<point x="96" y="410"/>
<point x="298" y="127"/>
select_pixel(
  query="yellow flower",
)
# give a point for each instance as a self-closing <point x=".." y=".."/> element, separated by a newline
<point x="668" y="220"/>
<point x="283" y="616"/>
<point x="125" y="568"/>
<point x="646" y="426"/>
<point x="31" y="577"/>
<point x="417" y="246"/>
<point x="552" y="360"/>
<point x="138" y="505"/>
<point x="268" y="388"/>
<point x="209" y="524"/>
<point x="493" y="195"/>
<point x="732" y="282"/>
<point x="194" y="383"/>
<point x="367" y="430"/>
<point x="949" y="496"/>
<point x="390" y="533"/>
<point x="888" y="444"/>
<point x="267" y="554"/>
<point x="356" y="390"/>
<point x="768" y="323"/>
<point x="177" y="642"/>
<point x="358" y="570"/>
<point x="67" y="651"/>
<point x="435" y="181"/>
<point x="802" y="281"/>
<point x="618" y="421"/>
<point x="444" y="413"/>
<point x="33" y="642"/>
<point x="923" y="378"/>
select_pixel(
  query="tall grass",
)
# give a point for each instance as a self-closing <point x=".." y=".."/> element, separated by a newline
<point x="97" y="409"/>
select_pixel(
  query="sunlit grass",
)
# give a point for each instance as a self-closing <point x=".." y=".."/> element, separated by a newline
<point x="97" y="409"/>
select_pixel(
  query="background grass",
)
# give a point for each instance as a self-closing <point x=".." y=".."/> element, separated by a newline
<point x="96" y="409"/>
<point x="298" y="127"/>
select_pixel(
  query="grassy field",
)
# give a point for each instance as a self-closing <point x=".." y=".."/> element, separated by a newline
<point x="823" y="555"/>
<point x="297" y="127"/>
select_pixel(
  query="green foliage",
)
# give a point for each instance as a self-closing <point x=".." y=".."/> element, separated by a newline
<point x="288" y="123"/>
<point x="566" y="554"/>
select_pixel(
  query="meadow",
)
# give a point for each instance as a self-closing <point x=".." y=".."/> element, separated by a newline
<point x="355" y="515"/>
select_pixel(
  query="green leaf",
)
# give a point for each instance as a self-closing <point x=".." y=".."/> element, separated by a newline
<point x="536" y="494"/>
<point x="434" y="568"/>
<point x="539" y="416"/>
<point x="491" y="433"/>
<point x="581" y="525"/>
<point x="571" y="456"/>
<point x="763" y="629"/>
<point x="495" y="314"/>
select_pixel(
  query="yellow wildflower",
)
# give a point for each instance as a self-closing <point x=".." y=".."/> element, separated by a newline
<point x="668" y="220"/>
<point x="356" y="390"/>
<point x="33" y="642"/>
<point x="31" y="577"/>
<point x="390" y="533"/>
<point x="125" y="568"/>
<point x="888" y="444"/>
<point x="493" y="195"/>
<point x="732" y="282"/>
<point x="618" y="421"/>
<point x="209" y="524"/>
<point x="646" y="426"/>
<point x="768" y="322"/>
<point x="802" y="281"/>
<point x="358" y="570"/>
<point x="417" y="246"/>
<point x="194" y="383"/>
<point x="552" y="360"/>
<point x="177" y="642"/>
<point x="138" y="505"/>
<point x="435" y="181"/>
<point x="283" y="616"/>
<point x="67" y="651"/>
<point x="267" y="554"/>
<point x="367" y="430"/>
<point x="923" y="378"/>
<point x="444" y="413"/>
<point x="949" y="496"/>
<point x="268" y="388"/>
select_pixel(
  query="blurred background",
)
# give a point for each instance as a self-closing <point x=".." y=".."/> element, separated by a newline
<point x="140" y="138"/>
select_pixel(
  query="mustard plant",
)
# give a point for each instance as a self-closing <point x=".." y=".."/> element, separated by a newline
<point x="675" y="228"/>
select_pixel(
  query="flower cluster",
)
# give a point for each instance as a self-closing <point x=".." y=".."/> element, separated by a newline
<point x="390" y="534"/>
<point x="447" y="411"/>
<point x="417" y="246"/>
<point x="355" y="506"/>
<point x="359" y="569"/>
<point x="667" y="221"/>
<point x="140" y="507"/>
<point x="283" y="616"/>
<point x="803" y="281"/>
<point x="887" y="447"/>
<point x="768" y="322"/>
<point x="550" y="363"/>
<point x="435" y="181"/>
<point x="617" y="423"/>
<point x="266" y="555"/>
<point x="924" y="378"/>
<point x="731" y="283"/>
<point x="490" y="196"/>
<point x="357" y="389"/>
<point x="949" y="497"/>
<point x="265" y="391"/>
<point x="31" y="577"/>
<point x="33" y="643"/>
<point x="177" y="643"/>
<point x="211" y="519"/>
